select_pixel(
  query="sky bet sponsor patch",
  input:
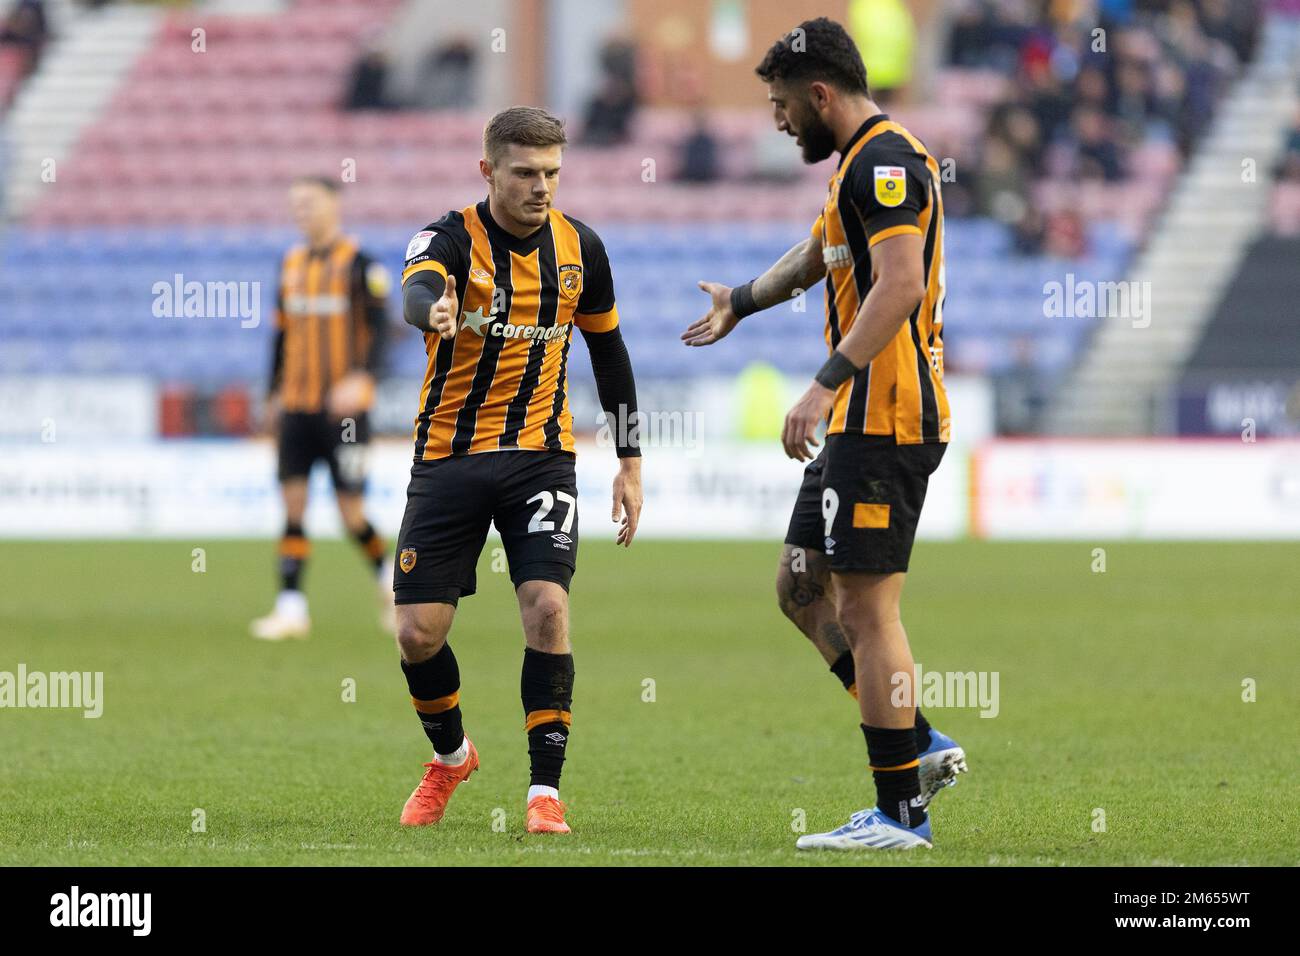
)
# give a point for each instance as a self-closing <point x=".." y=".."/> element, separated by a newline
<point x="891" y="185"/>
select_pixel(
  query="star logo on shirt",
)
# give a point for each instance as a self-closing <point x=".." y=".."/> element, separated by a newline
<point x="474" y="321"/>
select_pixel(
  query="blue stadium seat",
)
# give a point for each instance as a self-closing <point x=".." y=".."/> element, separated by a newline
<point x="104" y="307"/>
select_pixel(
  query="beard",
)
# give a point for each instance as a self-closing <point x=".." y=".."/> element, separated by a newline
<point x="818" y="140"/>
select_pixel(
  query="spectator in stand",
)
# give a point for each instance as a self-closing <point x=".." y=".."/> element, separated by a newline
<point x="27" y="30"/>
<point x="989" y="34"/>
<point x="1134" y="99"/>
<point x="369" y="80"/>
<point x="1233" y="23"/>
<point x="1047" y="95"/>
<point x="1030" y="233"/>
<point x="1096" y="155"/>
<point x="1015" y="123"/>
<point x="1001" y="185"/>
<point x="1092" y="87"/>
<point x="610" y="112"/>
<point x="699" y="160"/>
<point x="1115" y="11"/>
<point x="1170" y="107"/>
<point x="447" y="76"/>
<point x="885" y="33"/>
<point x="1204" y="70"/>
<point x="970" y="34"/>
<point x="1065" y="234"/>
<point x="618" y="59"/>
<point x="1098" y="80"/>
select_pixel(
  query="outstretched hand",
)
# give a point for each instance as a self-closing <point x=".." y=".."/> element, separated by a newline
<point x="719" y="320"/>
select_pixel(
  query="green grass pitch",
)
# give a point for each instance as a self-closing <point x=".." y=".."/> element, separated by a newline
<point x="1119" y="691"/>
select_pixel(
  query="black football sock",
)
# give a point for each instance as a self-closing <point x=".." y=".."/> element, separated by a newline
<point x="846" y="671"/>
<point x="922" y="728"/>
<point x="894" y="767"/>
<point x="295" y="549"/>
<point x="435" y="692"/>
<point x="546" y="688"/>
<point x="372" y="544"/>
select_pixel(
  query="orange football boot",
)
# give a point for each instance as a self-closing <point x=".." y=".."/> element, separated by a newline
<point x="546" y="815"/>
<point x="428" y="802"/>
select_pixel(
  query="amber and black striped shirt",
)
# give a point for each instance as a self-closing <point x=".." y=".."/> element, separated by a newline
<point x="500" y="383"/>
<point x="330" y="316"/>
<point x="886" y="185"/>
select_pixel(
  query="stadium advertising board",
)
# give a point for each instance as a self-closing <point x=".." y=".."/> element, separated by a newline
<point x="1137" y="489"/>
<point x="227" y="488"/>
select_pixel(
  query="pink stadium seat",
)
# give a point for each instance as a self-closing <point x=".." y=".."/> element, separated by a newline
<point x="217" y="136"/>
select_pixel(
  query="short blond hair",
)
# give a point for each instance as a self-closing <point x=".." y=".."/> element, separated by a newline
<point x="521" y="126"/>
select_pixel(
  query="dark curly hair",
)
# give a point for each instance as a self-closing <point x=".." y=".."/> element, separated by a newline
<point x="818" y="49"/>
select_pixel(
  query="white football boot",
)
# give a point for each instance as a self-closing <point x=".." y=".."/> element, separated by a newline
<point x="289" y="619"/>
<point x="869" y="830"/>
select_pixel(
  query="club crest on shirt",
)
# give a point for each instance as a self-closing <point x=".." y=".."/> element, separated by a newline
<point x="570" y="280"/>
<point x="406" y="560"/>
<point x="480" y="275"/>
<point x="891" y="185"/>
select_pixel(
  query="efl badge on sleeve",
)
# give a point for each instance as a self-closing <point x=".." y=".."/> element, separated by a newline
<point x="570" y="280"/>
<point x="419" y="242"/>
<point x="406" y="561"/>
<point x="891" y="185"/>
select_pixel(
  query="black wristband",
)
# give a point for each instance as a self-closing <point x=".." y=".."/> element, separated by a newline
<point x="742" y="300"/>
<point x="836" y="371"/>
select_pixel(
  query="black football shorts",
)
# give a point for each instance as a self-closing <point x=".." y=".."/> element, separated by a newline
<point x="860" y="501"/>
<point x="309" y="437"/>
<point x="531" y="496"/>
